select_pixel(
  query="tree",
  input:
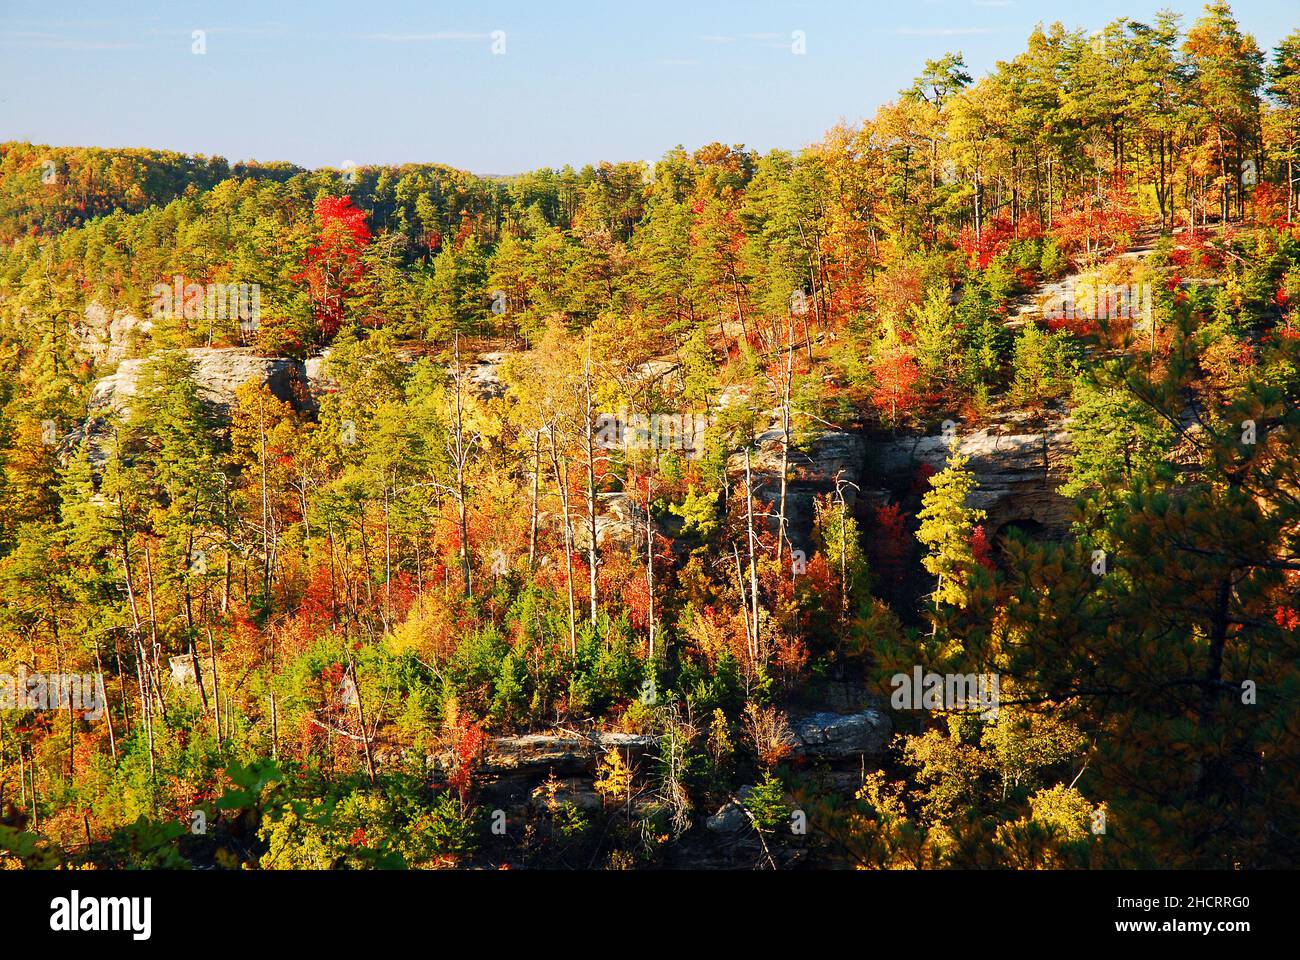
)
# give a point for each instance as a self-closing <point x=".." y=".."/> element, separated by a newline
<point x="29" y="470"/>
<point x="1227" y="72"/>
<point x="896" y="377"/>
<point x="1114" y="438"/>
<point x="459" y="298"/>
<point x="837" y="531"/>
<point x="946" y="528"/>
<point x="1284" y="87"/>
<point x="333" y="263"/>
<point x="1041" y="366"/>
<point x="935" y="333"/>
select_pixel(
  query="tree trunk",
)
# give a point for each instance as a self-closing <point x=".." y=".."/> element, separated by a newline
<point x="650" y="563"/>
<point x="753" y="571"/>
<point x="216" y="686"/>
<point x="562" y="484"/>
<point x="361" y="720"/>
<point x="461" y="459"/>
<point x="593" y="557"/>
<point x="781" y="537"/>
<point x="103" y="692"/>
<point x="266" y="526"/>
<point x="532" y="507"/>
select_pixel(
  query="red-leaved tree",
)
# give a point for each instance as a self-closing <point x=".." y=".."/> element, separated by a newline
<point x="333" y="262"/>
<point x="897" y="377"/>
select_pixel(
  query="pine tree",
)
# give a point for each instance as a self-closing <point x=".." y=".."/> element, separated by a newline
<point x="946" y="528"/>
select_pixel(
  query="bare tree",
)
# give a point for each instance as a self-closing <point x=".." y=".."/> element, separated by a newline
<point x="560" y="468"/>
<point x="650" y="562"/>
<point x="589" y="437"/>
<point x="753" y="570"/>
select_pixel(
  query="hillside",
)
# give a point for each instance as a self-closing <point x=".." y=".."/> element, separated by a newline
<point x="926" y="498"/>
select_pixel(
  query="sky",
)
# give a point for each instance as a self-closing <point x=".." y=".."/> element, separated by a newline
<point x="498" y="86"/>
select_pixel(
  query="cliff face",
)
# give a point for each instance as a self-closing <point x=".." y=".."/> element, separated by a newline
<point x="107" y="336"/>
<point x="813" y="472"/>
<point x="859" y="734"/>
<point x="837" y="732"/>
<point x="1018" y="469"/>
<point x="219" y="372"/>
<point x="1018" y="465"/>
<point x="517" y="773"/>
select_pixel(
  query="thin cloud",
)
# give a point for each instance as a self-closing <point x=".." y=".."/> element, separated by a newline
<point x="941" y="31"/>
<point x="773" y="40"/>
<point x="266" y="31"/>
<point x="445" y="36"/>
<point x="53" y="41"/>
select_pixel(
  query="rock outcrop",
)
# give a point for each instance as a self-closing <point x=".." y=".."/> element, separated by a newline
<point x="840" y="736"/>
<point x="813" y="472"/>
<point x="313" y="369"/>
<point x="108" y="337"/>
<point x="731" y="816"/>
<point x="182" y="672"/>
<point x="219" y="372"/>
<point x="620" y="522"/>
<point x="1018" y="469"/>
<point x="572" y="790"/>
<point x="541" y="753"/>
<point x="823" y="735"/>
<point x="484" y="377"/>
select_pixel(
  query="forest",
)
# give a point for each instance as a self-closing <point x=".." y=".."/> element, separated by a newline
<point x="658" y="515"/>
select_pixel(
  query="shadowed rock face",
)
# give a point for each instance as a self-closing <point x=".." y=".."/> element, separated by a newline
<point x="731" y="816"/>
<point x="219" y="372"/>
<point x="824" y="735"/>
<point x="838" y="736"/>
<point x="1018" y="469"/>
<point x="813" y="472"/>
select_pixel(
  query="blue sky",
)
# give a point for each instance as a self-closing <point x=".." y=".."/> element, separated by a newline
<point x="368" y="81"/>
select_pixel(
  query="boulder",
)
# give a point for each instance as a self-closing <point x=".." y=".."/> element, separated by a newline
<point x="733" y="395"/>
<point x="731" y="816"/>
<point x="659" y="373"/>
<point x="182" y="672"/>
<point x="838" y="736"/>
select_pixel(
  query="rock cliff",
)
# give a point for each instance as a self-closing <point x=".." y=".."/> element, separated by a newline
<point x="1018" y="468"/>
<point x="219" y="372"/>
